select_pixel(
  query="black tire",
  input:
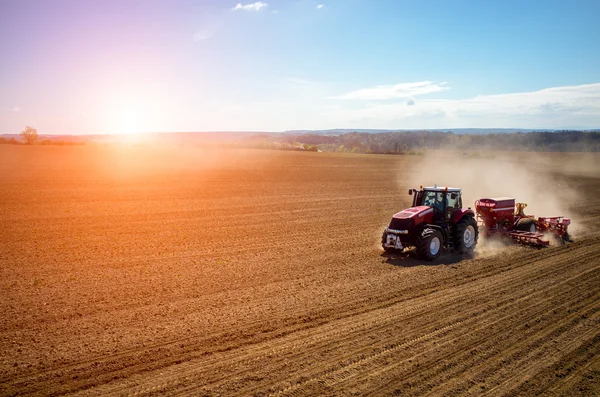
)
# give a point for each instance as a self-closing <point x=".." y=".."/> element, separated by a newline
<point x="466" y="235"/>
<point x="429" y="244"/>
<point x="526" y="225"/>
<point x="566" y="238"/>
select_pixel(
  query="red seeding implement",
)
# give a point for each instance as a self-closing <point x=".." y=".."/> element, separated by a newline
<point x="437" y="220"/>
<point x="502" y="217"/>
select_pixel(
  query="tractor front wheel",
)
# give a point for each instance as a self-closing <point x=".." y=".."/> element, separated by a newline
<point x="429" y="244"/>
<point x="465" y="238"/>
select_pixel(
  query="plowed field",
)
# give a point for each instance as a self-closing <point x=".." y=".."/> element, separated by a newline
<point x="159" y="271"/>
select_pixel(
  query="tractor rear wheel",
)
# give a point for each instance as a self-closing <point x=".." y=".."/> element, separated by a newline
<point x="526" y="225"/>
<point x="429" y="244"/>
<point x="466" y="235"/>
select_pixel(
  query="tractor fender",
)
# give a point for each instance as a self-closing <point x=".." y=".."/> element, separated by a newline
<point x="460" y="213"/>
<point x="426" y="226"/>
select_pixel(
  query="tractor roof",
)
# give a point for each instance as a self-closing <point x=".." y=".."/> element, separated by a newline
<point x="441" y="189"/>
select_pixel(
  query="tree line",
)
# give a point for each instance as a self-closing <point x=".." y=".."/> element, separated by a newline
<point x="413" y="142"/>
<point x="404" y="142"/>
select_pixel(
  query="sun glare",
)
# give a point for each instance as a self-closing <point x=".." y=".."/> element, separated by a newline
<point x="129" y="121"/>
<point x="132" y="115"/>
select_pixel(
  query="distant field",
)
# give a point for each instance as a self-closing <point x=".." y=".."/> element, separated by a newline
<point x="142" y="270"/>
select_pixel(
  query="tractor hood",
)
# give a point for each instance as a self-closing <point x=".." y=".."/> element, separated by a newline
<point x="414" y="212"/>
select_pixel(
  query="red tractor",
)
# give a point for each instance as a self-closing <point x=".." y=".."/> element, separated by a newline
<point x="436" y="220"/>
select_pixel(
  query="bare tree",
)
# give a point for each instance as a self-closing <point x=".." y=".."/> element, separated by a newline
<point x="29" y="135"/>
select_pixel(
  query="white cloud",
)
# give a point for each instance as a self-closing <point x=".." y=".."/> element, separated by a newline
<point x="402" y="90"/>
<point x="14" y="109"/>
<point x="257" y="6"/>
<point x="553" y="108"/>
<point x="320" y="6"/>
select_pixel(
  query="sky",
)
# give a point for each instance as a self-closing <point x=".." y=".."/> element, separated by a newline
<point x="95" y="67"/>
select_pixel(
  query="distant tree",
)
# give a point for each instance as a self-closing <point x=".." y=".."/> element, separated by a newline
<point x="29" y="135"/>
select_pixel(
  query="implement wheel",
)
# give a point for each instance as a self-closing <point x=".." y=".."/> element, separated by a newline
<point x="526" y="225"/>
<point x="429" y="244"/>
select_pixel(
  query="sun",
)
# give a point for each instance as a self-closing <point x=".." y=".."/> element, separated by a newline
<point x="129" y="121"/>
<point x="132" y="115"/>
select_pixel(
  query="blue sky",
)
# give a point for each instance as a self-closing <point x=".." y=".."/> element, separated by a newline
<point x="79" y="67"/>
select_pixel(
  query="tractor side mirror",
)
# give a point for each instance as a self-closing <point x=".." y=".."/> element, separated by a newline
<point x="410" y="191"/>
<point x="453" y="196"/>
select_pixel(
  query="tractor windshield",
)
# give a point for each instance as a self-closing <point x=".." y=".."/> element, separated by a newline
<point x="433" y="199"/>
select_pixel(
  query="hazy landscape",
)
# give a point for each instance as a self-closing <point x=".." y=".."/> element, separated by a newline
<point x="340" y="141"/>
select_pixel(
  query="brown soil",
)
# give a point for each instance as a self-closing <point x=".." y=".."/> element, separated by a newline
<point x="161" y="271"/>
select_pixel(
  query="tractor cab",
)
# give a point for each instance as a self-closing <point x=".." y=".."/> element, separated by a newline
<point x="444" y="201"/>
